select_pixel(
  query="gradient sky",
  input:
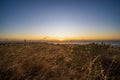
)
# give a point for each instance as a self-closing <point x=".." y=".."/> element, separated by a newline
<point x="60" y="19"/>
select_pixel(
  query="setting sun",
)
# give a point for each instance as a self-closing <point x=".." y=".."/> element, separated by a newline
<point x="61" y="39"/>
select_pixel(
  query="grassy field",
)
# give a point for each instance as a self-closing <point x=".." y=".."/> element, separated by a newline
<point x="43" y="61"/>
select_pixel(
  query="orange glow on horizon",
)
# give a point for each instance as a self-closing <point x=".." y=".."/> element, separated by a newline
<point x="61" y="38"/>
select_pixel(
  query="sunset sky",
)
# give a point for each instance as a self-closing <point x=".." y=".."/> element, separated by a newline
<point x="60" y="19"/>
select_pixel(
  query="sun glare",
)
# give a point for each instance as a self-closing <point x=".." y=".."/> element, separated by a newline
<point x="61" y="39"/>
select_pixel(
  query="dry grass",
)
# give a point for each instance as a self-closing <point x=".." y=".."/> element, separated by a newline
<point x="42" y="61"/>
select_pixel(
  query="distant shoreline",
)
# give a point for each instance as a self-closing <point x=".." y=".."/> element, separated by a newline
<point x="115" y="43"/>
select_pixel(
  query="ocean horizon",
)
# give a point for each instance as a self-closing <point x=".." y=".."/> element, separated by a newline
<point x="81" y="42"/>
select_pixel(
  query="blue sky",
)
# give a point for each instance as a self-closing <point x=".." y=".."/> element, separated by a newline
<point x="68" y="19"/>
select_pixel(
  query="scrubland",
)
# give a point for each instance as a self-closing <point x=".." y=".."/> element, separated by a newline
<point x="43" y="61"/>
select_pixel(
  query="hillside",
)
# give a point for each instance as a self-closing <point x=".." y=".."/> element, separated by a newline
<point x="43" y="61"/>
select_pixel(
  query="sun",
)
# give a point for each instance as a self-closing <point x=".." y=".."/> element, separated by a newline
<point x="61" y="39"/>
